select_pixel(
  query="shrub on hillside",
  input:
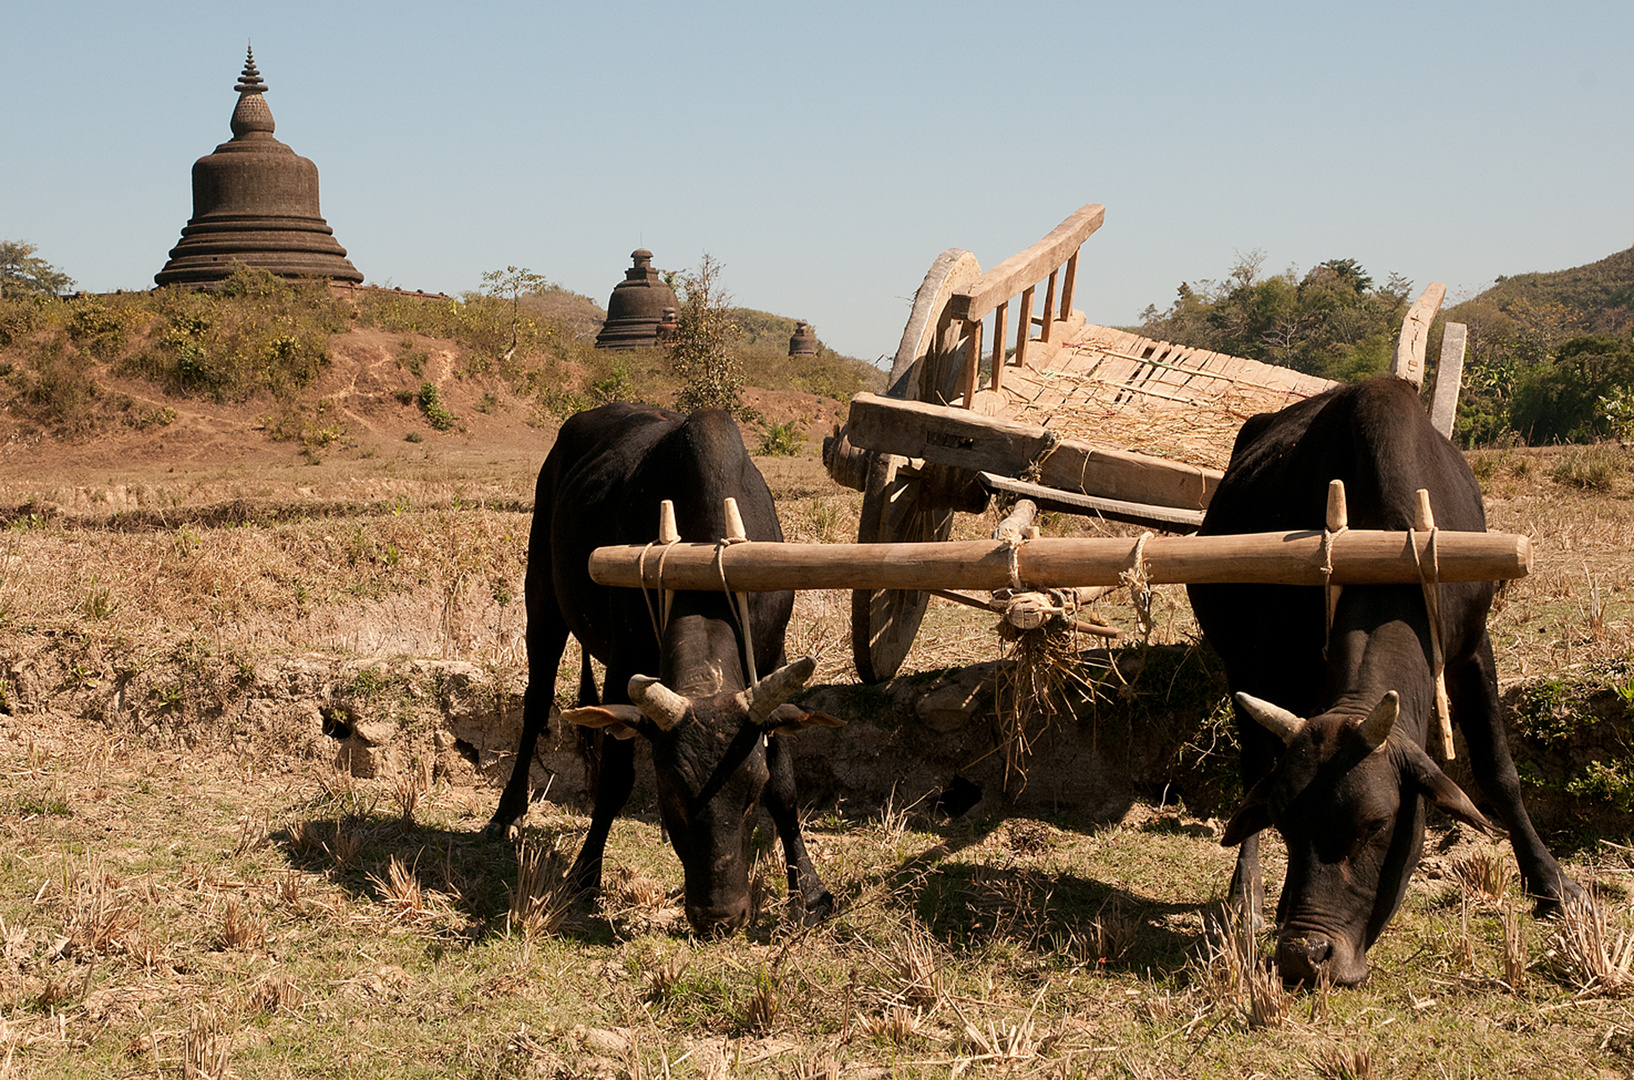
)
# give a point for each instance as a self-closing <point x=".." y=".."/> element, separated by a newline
<point x="256" y="333"/>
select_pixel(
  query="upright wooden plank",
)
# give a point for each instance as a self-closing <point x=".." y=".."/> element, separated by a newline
<point x="1024" y="325"/>
<point x="1415" y="334"/>
<point x="1006" y="279"/>
<point x="1067" y="285"/>
<point x="1049" y="307"/>
<point x="1449" y="373"/>
<point x="998" y="333"/>
<point x="973" y="359"/>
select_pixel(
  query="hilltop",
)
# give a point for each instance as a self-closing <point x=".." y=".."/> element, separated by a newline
<point x="264" y="372"/>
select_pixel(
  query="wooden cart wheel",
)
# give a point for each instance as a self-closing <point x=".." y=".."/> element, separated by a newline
<point x="884" y="621"/>
<point x="927" y="368"/>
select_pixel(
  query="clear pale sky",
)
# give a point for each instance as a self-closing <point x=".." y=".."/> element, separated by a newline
<point x="825" y="153"/>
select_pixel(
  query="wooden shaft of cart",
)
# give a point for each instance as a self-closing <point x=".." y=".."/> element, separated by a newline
<point x="1359" y="557"/>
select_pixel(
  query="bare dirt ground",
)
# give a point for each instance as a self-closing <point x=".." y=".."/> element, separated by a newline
<point x="251" y="708"/>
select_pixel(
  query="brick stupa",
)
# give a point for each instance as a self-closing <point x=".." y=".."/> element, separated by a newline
<point x="637" y="310"/>
<point x="255" y="201"/>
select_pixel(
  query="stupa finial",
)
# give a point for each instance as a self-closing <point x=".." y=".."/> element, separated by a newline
<point x="250" y="82"/>
<point x="251" y="114"/>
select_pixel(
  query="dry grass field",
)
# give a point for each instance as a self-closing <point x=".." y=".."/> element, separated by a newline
<point x="192" y="887"/>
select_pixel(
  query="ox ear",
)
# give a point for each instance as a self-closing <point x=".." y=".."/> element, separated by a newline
<point x="791" y="719"/>
<point x="1253" y="816"/>
<point x="619" y="721"/>
<point x="1439" y="788"/>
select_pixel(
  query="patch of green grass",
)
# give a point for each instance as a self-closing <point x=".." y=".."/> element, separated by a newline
<point x="431" y="404"/>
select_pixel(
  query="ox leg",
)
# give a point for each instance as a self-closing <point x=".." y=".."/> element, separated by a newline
<point x="816" y="901"/>
<point x="1259" y="753"/>
<point x="1474" y="696"/>
<point x="547" y="637"/>
<point x="613" y="786"/>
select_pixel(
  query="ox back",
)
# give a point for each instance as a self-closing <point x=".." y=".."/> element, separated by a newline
<point x="600" y="485"/>
<point x="1353" y="818"/>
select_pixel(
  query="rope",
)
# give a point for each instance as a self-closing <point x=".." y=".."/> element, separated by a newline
<point x="1438" y="662"/>
<point x="1035" y="468"/>
<point x="1140" y="589"/>
<point x="1330" y="591"/>
<point x="738" y="604"/>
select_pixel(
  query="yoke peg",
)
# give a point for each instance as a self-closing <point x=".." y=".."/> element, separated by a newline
<point x="734" y="521"/>
<point x="667" y="532"/>
<point x="1338" y="516"/>
<point x="1423" y="519"/>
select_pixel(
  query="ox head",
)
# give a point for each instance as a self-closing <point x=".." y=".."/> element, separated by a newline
<point x="1347" y="799"/>
<point x="709" y="759"/>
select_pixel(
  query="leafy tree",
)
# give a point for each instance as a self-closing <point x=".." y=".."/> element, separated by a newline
<point x="701" y="350"/>
<point x="512" y="283"/>
<point x="22" y="273"/>
<point x="1564" y="400"/>
<point x="1335" y="321"/>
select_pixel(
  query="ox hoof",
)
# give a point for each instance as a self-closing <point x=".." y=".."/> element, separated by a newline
<point x="817" y="909"/>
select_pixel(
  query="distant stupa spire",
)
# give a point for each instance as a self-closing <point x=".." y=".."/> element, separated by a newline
<point x="250" y="82"/>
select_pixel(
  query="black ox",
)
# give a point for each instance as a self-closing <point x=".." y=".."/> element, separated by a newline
<point x="601" y="484"/>
<point x="1346" y="787"/>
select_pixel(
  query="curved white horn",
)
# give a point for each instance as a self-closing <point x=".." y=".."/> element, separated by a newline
<point x="1376" y="728"/>
<point x="1273" y="718"/>
<point x="658" y="702"/>
<point x="778" y="687"/>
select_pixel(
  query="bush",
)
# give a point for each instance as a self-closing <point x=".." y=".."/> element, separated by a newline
<point x="701" y="350"/>
<point x="436" y="412"/>
<point x="256" y="333"/>
<point x="780" y="440"/>
<point x="1560" y="401"/>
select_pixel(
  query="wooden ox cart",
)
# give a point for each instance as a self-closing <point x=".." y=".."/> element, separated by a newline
<point x="1076" y="417"/>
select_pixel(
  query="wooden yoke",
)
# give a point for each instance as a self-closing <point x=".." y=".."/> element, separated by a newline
<point x="1020" y="274"/>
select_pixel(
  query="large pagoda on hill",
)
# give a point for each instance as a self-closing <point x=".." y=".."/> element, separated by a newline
<point x="255" y="201"/>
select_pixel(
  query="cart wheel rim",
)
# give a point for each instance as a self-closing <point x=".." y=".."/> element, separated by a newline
<point x="885" y="621"/>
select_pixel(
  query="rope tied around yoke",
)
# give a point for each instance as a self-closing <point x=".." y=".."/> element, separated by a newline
<point x="737" y="603"/>
<point x="1330" y="591"/>
<point x="659" y="617"/>
<point x="1431" y="584"/>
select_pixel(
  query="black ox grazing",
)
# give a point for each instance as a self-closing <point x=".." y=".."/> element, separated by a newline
<point x="1346" y="787"/>
<point x="601" y="484"/>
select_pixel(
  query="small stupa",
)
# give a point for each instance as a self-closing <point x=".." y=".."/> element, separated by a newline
<point x="803" y="342"/>
<point x="637" y="307"/>
<point x="255" y="201"/>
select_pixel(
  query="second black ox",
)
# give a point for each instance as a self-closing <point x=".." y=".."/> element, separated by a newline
<point x="1346" y="787"/>
<point x="601" y="484"/>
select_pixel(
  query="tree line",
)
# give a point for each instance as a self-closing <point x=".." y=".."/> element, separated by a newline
<point x="1549" y="357"/>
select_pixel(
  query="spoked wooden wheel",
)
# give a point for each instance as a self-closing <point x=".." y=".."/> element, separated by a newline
<point x="895" y="508"/>
<point x="884" y="621"/>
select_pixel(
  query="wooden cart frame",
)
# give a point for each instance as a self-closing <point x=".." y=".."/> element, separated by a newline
<point x="939" y="442"/>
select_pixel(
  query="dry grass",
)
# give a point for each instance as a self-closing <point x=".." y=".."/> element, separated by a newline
<point x="1484" y="874"/>
<point x="540" y="900"/>
<point x="1592" y="955"/>
<point x="252" y="907"/>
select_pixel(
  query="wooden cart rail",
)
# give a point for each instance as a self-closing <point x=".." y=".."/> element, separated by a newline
<point x="967" y="440"/>
<point x="1358" y="557"/>
<point x="1020" y="274"/>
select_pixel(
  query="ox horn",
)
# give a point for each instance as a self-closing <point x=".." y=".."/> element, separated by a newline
<point x="778" y="687"/>
<point x="658" y="702"/>
<point x="1274" y="718"/>
<point x="1376" y="728"/>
